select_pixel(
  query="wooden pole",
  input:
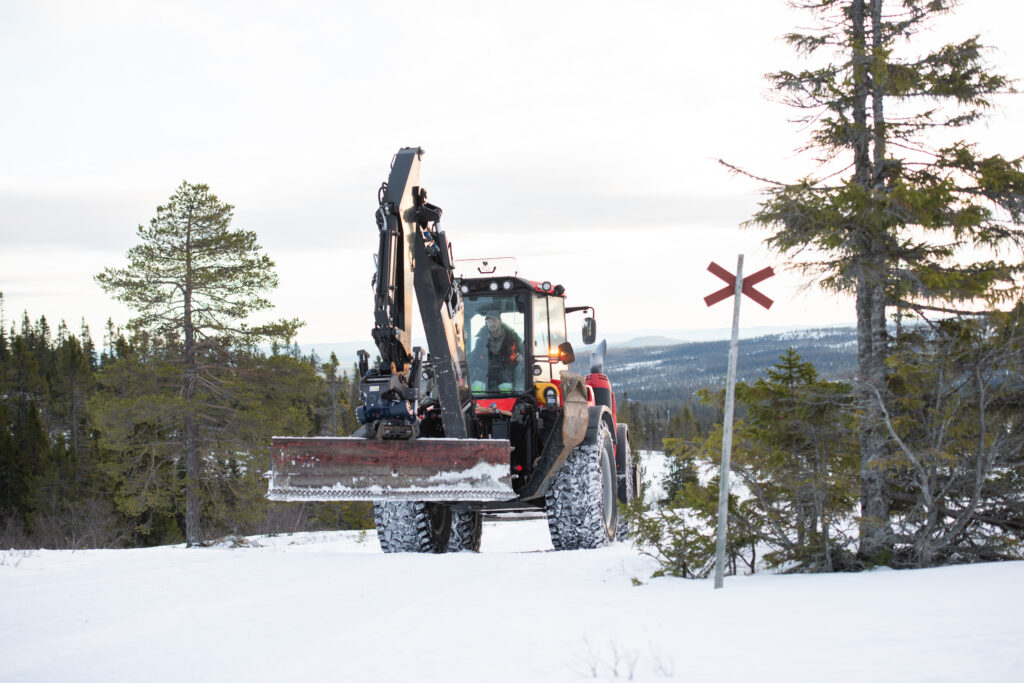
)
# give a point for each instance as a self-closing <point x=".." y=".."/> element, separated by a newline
<point x="730" y="401"/>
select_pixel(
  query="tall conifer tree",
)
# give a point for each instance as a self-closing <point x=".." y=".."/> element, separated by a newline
<point x="904" y="219"/>
<point x="193" y="281"/>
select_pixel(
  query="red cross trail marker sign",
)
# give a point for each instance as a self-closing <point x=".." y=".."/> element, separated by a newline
<point x="737" y="286"/>
<point x="748" y="285"/>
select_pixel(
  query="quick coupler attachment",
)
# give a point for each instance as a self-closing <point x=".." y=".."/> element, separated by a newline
<point x="382" y="411"/>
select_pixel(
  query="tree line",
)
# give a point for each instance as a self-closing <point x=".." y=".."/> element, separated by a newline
<point x="954" y="475"/>
<point x="162" y="434"/>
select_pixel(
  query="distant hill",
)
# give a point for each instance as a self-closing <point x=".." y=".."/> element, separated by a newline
<point x="672" y="372"/>
<point x="654" y="340"/>
<point x="662" y="337"/>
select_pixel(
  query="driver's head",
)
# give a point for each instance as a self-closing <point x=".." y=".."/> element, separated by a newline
<point x="493" y="321"/>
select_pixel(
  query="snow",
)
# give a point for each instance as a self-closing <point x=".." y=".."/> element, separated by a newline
<point x="330" y="606"/>
<point x="637" y="365"/>
<point x="487" y="474"/>
<point x="655" y="468"/>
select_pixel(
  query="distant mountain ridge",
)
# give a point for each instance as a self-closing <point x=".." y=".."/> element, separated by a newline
<point x="673" y="372"/>
<point x="661" y="337"/>
<point x="653" y="340"/>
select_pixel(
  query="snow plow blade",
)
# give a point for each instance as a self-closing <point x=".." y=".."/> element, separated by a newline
<point x="355" y="468"/>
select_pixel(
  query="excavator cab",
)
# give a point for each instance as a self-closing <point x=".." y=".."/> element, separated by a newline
<point x="494" y="329"/>
<point x="514" y="335"/>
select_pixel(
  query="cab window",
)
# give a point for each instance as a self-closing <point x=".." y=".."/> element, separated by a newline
<point x="494" y="328"/>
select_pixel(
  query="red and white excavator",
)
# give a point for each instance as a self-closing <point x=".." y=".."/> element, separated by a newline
<point x="491" y="420"/>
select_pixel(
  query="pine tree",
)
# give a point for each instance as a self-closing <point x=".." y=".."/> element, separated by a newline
<point x="905" y="226"/>
<point x="193" y="282"/>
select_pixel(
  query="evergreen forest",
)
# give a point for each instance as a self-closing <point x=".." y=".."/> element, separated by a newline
<point x="88" y="460"/>
<point x="162" y="434"/>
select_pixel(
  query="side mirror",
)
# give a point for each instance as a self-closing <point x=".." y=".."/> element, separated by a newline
<point x="565" y="353"/>
<point x="589" y="331"/>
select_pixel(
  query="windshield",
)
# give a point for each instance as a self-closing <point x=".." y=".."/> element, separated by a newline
<point x="494" y="328"/>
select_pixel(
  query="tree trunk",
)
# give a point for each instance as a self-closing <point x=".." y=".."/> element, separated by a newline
<point x="193" y="520"/>
<point x="820" y="498"/>
<point x="862" y="80"/>
<point x="875" y="533"/>
<point x="875" y="536"/>
<point x="878" y="86"/>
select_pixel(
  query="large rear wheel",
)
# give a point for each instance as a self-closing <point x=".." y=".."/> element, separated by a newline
<point x="581" y="504"/>
<point x="412" y="527"/>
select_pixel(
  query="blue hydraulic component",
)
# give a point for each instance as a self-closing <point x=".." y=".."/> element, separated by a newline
<point x="401" y="402"/>
<point x="380" y="410"/>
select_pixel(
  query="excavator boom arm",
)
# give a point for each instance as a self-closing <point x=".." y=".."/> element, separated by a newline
<point x="387" y="460"/>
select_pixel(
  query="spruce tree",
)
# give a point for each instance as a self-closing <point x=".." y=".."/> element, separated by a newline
<point x="193" y="282"/>
<point x="906" y="222"/>
<point x="794" y="451"/>
<point x="683" y="435"/>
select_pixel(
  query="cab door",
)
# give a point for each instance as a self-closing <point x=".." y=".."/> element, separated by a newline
<point x="548" y="333"/>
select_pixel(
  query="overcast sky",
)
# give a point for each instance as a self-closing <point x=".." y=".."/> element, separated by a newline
<point x="579" y="137"/>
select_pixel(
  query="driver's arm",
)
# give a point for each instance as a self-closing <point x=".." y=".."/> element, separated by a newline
<point x="517" y="347"/>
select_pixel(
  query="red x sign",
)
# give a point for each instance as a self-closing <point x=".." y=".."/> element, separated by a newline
<point x="748" y="285"/>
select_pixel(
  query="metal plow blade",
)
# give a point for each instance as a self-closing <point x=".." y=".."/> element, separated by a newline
<point x="353" y="468"/>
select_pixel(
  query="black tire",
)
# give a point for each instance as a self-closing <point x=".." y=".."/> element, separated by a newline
<point x="412" y="527"/>
<point x="627" y="480"/>
<point x="581" y="503"/>
<point x="467" y="528"/>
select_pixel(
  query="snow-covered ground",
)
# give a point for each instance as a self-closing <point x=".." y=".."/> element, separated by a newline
<point x="331" y="607"/>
